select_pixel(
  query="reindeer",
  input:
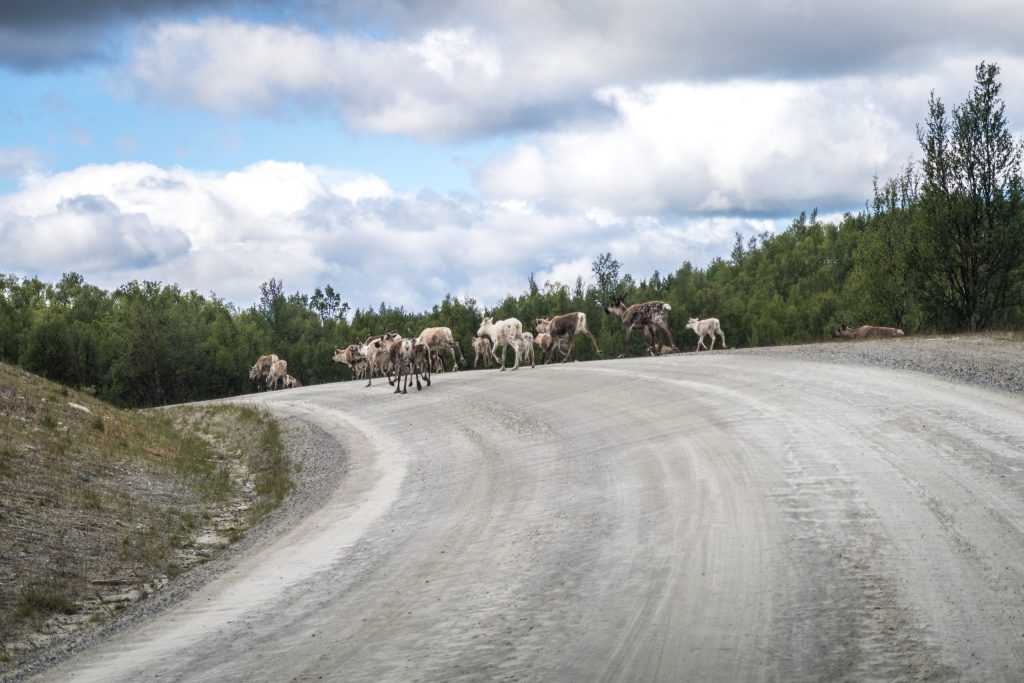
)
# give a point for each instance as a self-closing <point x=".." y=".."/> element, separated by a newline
<point x="867" y="331"/>
<point x="566" y="327"/>
<point x="262" y="368"/>
<point x="401" y="353"/>
<point x="277" y="374"/>
<point x="708" y="326"/>
<point x="482" y="349"/>
<point x="438" y="338"/>
<point x="504" y="333"/>
<point x="660" y="349"/>
<point x="376" y="354"/>
<point x="525" y="347"/>
<point x="648" y="316"/>
<point x="351" y="356"/>
<point x="421" y="362"/>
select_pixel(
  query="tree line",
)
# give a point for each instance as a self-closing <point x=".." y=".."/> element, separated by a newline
<point x="939" y="247"/>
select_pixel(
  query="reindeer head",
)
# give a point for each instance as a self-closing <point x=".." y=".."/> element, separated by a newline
<point x="617" y="306"/>
<point x="347" y="355"/>
<point x="485" y="324"/>
<point x="843" y="331"/>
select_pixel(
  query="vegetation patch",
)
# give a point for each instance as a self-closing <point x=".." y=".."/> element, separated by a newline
<point x="44" y="600"/>
<point x="100" y="506"/>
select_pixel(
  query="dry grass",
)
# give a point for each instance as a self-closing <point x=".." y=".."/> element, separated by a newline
<point x="99" y="505"/>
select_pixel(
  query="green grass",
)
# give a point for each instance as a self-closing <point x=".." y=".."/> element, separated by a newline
<point x="44" y="600"/>
<point x="273" y="481"/>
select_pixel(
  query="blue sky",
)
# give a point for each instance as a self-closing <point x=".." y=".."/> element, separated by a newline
<point x="404" y="151"/>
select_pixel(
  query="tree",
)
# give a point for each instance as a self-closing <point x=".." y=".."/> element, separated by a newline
<point x="606" y="271"/>
<point x="970" y="246"/>
<point x="883" y="274"/>
<point x="327" y="304"/>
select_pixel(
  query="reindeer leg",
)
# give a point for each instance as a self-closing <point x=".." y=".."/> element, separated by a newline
<point x="568" y="351"/>
<point x="594" y="342"/>
<point x="629" y="331"/>
<point x="671" y="341"/>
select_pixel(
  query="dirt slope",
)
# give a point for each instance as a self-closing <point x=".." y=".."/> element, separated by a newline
<point x="101" y="508"/>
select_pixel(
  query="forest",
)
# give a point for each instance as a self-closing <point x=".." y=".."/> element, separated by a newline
<point x="937" y="248"/>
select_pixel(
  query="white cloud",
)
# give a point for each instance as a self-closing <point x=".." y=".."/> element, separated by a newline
<point x="90" y="232"/>
<point x="741" y="147"/>
<point x="309" y="226"/>
<point x="454" y="70"/>
<point x="427" y="87"/>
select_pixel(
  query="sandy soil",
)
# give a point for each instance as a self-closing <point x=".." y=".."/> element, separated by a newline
<point x="722" y="516"/>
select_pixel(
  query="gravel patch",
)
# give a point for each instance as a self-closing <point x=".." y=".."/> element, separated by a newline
<point x="991" y="360"/>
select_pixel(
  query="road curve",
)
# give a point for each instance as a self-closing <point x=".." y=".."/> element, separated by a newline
<point x="713" y="516"/>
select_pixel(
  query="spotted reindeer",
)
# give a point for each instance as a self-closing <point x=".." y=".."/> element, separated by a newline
<point x="649" y="317"/>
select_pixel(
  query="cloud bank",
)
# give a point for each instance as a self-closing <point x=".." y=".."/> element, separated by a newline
<point x="454" y="70"/>
<point x="311" y="226"/>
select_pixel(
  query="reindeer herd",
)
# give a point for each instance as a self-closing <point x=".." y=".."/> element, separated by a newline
<point x="403" y="361"/>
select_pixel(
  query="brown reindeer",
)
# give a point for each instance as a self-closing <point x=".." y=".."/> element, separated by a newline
<point x="566" y="327"/>
<point x="867" y="332"/>
<point x="422" y="358"/>
<point x="407" y="358"/>
<point x="648" y="316"/>
<point x="548" y="346"/>
<point x="438" y="338"/>
<point x="660" y="349"/>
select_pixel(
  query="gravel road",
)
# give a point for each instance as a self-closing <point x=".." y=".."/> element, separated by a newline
<point x="734" y="515"/>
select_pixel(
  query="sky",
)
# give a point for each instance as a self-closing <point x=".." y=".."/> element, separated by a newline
<point x="405" y="150"/>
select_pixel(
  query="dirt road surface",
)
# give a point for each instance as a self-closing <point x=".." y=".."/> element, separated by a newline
<point x="714" y="516"/>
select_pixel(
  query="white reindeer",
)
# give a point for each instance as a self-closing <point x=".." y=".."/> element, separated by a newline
<point x="504" y="333"/>
<point x="525" y="348"/>
<point x="277" y="374"/>
<point x="482" y="349"/>
<point x="708" y="326"/>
